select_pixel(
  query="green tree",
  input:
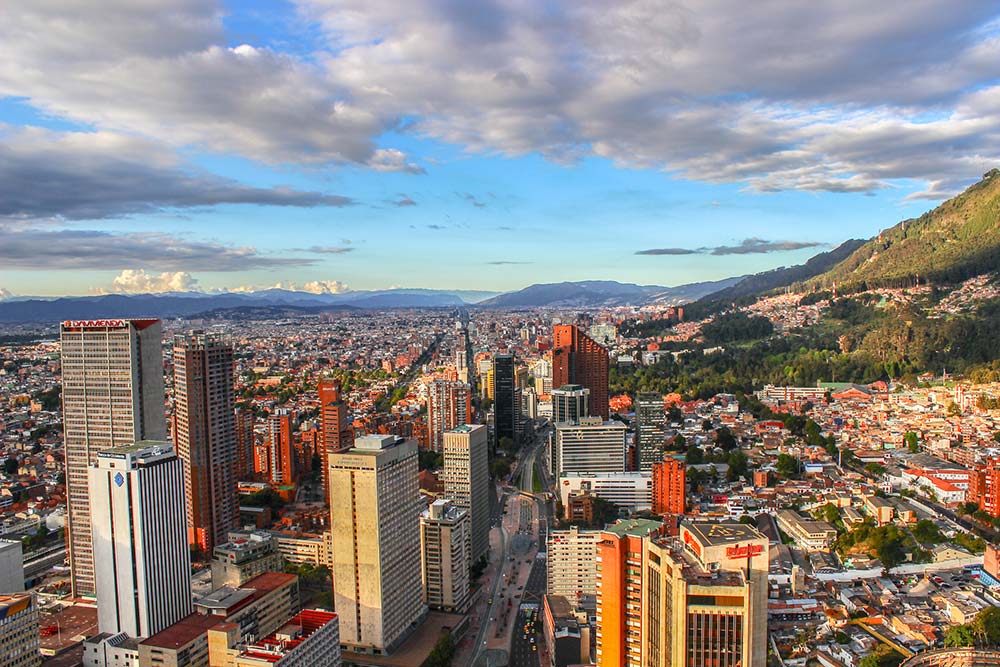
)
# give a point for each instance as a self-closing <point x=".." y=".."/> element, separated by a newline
<point x="875" y="469"/>
<point x="959" y="636"/>
<point x="829" y="513"/>
<point x="10" y="466"/>
<point x="694" y="456"/>
<point x="738" y="465"/>
<point x="911" y="441"/>
<point x="788" y="466"/>
<point x="926" y="532"/>
<point x="986" y="627"/>
<point x="882" y="656"/>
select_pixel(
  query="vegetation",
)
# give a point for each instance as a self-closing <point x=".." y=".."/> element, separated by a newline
<point x="430" y="460"/>
<point x="736" y="326"/>
<point x="983" y="631"/>
<point x="49" y="398"/>
<point x="882" y="656"/>
<point x="887" y="543"/>
<point x="265" y="498"/>
<point x="442" y="653"/>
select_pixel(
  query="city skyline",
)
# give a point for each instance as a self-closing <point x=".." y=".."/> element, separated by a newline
<point x="318" y="139"/>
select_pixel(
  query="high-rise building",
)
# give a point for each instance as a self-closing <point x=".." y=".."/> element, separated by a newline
<point x="281" y="457"/>
<point x="650" y="420"/>
<point x="571" y="564"/>
<point x="505" y="400"/>
<point x="444" y="556"/>
<point x="19" y="631"/>
<point x="466" y="478"/>
<point x="375" y="514"/>
<point x="669" y="487"/>
<point x="449" y="404"/>
<point x="336" y="432"/>
<point x="620" y="592"/>
<point x="578" y="359"/>
<point x="243" y="421"/>
<point x="591" y="446"/>
<point x="205" y="435"/>
<point x="245" y="556"/>
<point x="141" y="553"/>
<point x="112" y="379"/>
<point x="11" y="567"/>
<point x="570" y="403"/>
<point x="705" y="597"/>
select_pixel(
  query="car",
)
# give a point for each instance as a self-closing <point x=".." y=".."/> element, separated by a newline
<point x="534" y="648"/>
<point x="490" y="601"/>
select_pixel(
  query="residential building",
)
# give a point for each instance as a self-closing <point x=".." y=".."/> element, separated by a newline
<point x="650" y="421"/>
<point x="449" y="405"/>
<point x="570" y="403"/>
<point x="205" y="435"/>
<point x="810" y="535"/>
<point x="243" y="557"/>
<point x="112" y="395"/>
<point x="141" y="552"/>
<point x="335" y="432"/>
<point x="445" y="557"/>
<point x="259" y="607"/>
<point x="466" y="478"/>
<point x="19" y="631"/>
<point x="566" y="636"/>
<point x="669" y="487"/>
<point x="311" y="638"/>
<point x="243" y="424"/>
<point x="591" y="446"/>
<point x="578" y="359"/>
<point x="281" y="456"/>
<point x="571" y="564"/>
<point x="374" y="514"/>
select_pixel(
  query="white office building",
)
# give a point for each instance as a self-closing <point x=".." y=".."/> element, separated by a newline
<point x="466" y="478"/>
<point x="631" y="491"/>
<point x="591" y="446"/>
<point x="141" y="552"/>
<point x="571" y="556"/>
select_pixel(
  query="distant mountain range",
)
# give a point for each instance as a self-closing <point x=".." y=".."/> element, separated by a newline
<point x="598" y="293"/>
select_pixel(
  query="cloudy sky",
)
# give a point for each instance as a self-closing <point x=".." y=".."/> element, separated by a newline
<point x="151" y="145"/>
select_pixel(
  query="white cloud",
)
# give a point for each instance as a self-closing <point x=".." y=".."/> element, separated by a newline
<point x="137" y="281"/>
<point x="5" y="294"/>
<point x="325" y="287"/>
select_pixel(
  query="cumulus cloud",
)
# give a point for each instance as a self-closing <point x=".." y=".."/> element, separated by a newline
<point x="94" y="175"/>
<point x="5" y="294"/>
<point x="137" y="281"/>
<point x="748" y="246"/>
<point x="325" y="287"/>
<point x="390" y="159"/>
<point x="101" y="250"/>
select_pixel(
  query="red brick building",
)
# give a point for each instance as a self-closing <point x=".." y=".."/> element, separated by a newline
<point x="669" y="490"/>
<point x="335" y="431"/>
<point x="578" y="359"/>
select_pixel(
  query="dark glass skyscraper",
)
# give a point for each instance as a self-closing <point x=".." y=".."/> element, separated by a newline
<point x="505" y="403"/>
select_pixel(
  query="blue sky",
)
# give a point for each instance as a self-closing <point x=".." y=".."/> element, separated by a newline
<point x="340" y="144"/>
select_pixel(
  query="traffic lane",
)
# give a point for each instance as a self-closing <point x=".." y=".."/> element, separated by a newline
<point x="527" y="639"/>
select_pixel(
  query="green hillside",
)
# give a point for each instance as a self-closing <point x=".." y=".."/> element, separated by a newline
<point x="955" y="241"/>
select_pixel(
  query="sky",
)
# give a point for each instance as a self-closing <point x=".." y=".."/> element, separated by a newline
<point x="331" y="145"/>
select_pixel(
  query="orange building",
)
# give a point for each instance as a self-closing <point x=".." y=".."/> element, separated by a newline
<point x="669" y="490"/>
<point x="336" y="434"/>
<point x="578" y="359"/>
<point x="243" y="419"/>
<point x="984" y="487"/>
<point x="619" y="592"/>
<point x="281" y="455"/>
<point x="449" y="405"/>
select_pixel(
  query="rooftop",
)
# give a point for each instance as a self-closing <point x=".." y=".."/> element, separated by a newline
<point x="183" y="632"/>
<point x="291" y="636"/>
<point x="634" y="527"/>
<point x="712" y="534"/>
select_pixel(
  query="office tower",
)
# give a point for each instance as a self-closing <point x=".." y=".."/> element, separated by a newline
<point x="669" y="487"/>
<point x="245" y="556"/>
<point x="11" y="567"/>
<point x="243" y="421"/>
<point x="112" y="374"/>
<point x="444" y="556"/>
<point x="650" y="420"/>
<point x="280" y="449"/>
<point x="578" y="359"/>
<point x="571" y="564"/>
<point x="19" y="631"/>
<point x="570" y="402"/>
<point x="466" y="478"/>
<point x="592" y="446"/>
<point x="449" y="404"/>
<point x="375" y="515"/>
<point x="335" y="430"/>
<point x="705" y="597"/>
<point x="141" y="553"/>
<point x="619" y="593"/>
<point x="505" y="407"/>
<point x="205" y="435"/>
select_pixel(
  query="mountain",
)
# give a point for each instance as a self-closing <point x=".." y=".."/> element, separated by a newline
<point x="186" y="304"/>
<point x="957" y="240"/>
<point x="598" y="293"/>
<point x="767" y="281"/>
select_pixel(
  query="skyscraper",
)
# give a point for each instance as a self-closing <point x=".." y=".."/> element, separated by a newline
<point x="669" y="487"/>
<point x="570" y="402"/>
<point x="243" y="420"/>
<point x="335" y="430"/>
<point x="591" y="446"/>
<point x="112" y="373"/>
<point x="449" y="404"/>
<point x="141" y="553"/>
<point x="375" y="514"/>
<point x="205" y="435"/>
<point x="650" y="419"/>
<point x="281" y="457"/>
<point x="578" y="359"/>
<point x="444" y="556"/>
<point x="466" y="478"/>
<point x="505" y="399"/>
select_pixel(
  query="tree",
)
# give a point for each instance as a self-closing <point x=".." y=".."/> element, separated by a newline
<point x="959" y="636"/>
<point x="500" y="468"/>
<point x="829" y="513"/>
<point x="875" y="469"/>
<point x="986" y="627"/>
<point x="694" y="456"/>
<point x="10" y="466"/>
<point x="911" y="441"/>
<point x="737" y="465"/>
<point x="788" y="466"/>
<point x="926" y="532"/>
<point x="882" y="656"/>
<point x="443" y="652"/>
<point x="724" y="438"/>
